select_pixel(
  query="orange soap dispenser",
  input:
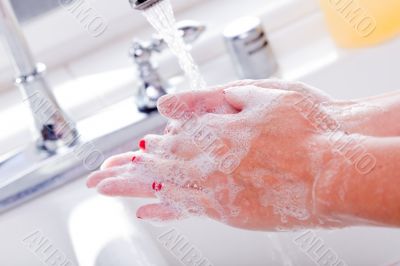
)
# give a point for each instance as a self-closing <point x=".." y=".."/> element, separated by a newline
<point x="358" y="23"/>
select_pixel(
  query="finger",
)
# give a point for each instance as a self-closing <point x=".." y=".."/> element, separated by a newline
<point x="182" y="146"/>
<point x="144" y="179"/>
<point x="263" y="83"/>
<point x="120" y="159"/>
<point x="172" y="127"/>
<point x="170" y="147"/>
<point x="146" y="171"/>
<point x="158" y="212"/>
<point x="178" y="106"/>
<point x="251" y="96"/>
<point x="300" y="87"/>
<point x="153" y="143"/>
<point x="284" y="85"/>
<point x="127" y="187"/>
<point x="97" y="176"/>
<point x="150" y="143"/>
<point x="117" y="166"/>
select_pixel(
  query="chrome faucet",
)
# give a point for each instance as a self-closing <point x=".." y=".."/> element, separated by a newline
<point x="53" y="127"/>
<point x="151" y="85"/>
<point x="27" y="173"/>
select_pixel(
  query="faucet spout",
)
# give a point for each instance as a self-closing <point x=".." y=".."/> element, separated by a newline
<point x="53" y="127"/>
<point x="143" y="4"/>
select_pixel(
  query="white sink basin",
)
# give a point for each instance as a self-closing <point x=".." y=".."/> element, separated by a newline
<point x="360" y="73"/>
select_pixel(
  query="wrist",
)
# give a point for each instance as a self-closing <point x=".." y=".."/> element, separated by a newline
<point x="325" y="179"/>
<point x="338" y="178"/>
<point x="350" y="117"/>
<point x="368" y="117"/>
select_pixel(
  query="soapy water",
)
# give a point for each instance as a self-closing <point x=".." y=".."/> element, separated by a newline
<point x="187" y="193"/>
<point x="186" y="184"/>
<point x="161" y="17"/>
<point x="192" y="184"/>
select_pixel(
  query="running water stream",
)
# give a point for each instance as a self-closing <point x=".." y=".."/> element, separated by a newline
<point x="161" y="17"/>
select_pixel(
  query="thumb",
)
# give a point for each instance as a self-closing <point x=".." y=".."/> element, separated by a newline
<point x="176" y="106"/>
<point x="278" y="84"/>
<point x="249" y="96"/>
<point x="238" y="97"/>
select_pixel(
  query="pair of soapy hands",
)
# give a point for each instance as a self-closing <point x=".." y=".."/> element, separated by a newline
<point x="248" y="154"/>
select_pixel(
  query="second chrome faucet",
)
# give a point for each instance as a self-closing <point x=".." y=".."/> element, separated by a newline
<point x="151" y="85"/>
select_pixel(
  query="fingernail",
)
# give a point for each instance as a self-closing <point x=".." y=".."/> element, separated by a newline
<point x="135" y="159"/>
<point x="139" y="217"/>
<point x="142" y="144"/>
<point x="156" y="186"/>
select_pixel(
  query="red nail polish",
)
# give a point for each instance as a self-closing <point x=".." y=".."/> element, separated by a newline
<point x="156" y="186"/>
<point x="142" y="144"/>
<point x="133" y="159"/>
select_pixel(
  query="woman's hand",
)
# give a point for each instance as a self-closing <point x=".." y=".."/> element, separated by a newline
<point x="254" y="161"/>
<point x="374" y="116"/>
